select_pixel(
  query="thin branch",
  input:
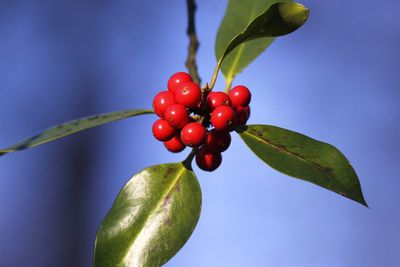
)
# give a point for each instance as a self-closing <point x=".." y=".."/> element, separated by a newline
<point x="194" y="42"/>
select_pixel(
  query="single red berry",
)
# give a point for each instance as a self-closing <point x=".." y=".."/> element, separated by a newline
<point x="161" y="101"/>
<point x="176" y="116"/>
<point x="218" y="141"/>
<point x="188" y="94"/>
<point x="223" y="118"/>
<point x="176" y="79"/>
<point x="175" y="144"/>
<point x="240" y="96"/>
<point x="208" y="160"/>
<point x="193" y="134"/>
<point x="216" y="99"/>
<point x="162" y="131"/>
<point x="242" y="114"/>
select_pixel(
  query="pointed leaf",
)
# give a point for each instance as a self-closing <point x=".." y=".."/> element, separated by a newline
<point x="72" y="127"/>
<point x="302" y="157"/>
<point x="245" y="22"/>
<point x="151" y="219"/>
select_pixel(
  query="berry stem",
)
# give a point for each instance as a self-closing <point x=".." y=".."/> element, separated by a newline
<point x="188" y="161"/>
<point x="193" y="42"/>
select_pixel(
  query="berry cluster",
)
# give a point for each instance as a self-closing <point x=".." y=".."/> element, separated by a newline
<point x="199" y="119"/>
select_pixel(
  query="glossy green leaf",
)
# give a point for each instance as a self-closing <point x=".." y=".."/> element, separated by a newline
<point x="250" y="26"/>
<point x="302" y="157"/>
<point x="151" y="219"/>
<point x="72" y="127"/>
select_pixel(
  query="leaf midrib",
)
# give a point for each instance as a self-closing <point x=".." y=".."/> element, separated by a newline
<point x="154" y="209"/>
<point x="312" y="164"/>
<point x="230" y="75"/>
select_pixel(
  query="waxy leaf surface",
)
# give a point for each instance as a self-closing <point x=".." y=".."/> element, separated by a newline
<point x="302" y="157"/>
<point x="250" y="26"/>
<point x="72" y="127"/>
<point x="151" y="219"/>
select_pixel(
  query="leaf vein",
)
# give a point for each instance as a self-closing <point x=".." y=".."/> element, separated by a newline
<point x="155" y="208"/>
<point x="230" y="75"/>
<point x="312" y="164"/>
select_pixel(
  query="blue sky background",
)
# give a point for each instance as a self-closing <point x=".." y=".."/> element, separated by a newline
<point x="336" y="79"/>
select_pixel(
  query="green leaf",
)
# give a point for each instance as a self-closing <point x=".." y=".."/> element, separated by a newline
<point x="248" y="29"/>
<point x="72" y="127"/>
<point x="152" y="218"/>
<point x="302" y="157"/>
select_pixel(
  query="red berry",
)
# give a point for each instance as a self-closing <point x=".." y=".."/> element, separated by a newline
<point x="175" y="144"/>
<point x="176" y="79"/>
<point x="218" y="141"/>
<point x="162" y="131"/>
<point x="207" y="160"/>
<point x="188" y="94"/>
<point x="242" y="115"/>
<point x="161" y="101"/>
<point x="240" y="96"/>
<point x="193" y="134"/>
<point x="223" y="118"/>
<point x="216" y="99"/>
<point x="176" y="116"/>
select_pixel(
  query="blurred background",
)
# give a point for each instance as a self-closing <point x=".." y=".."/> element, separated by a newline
<point x="336" y="79"/>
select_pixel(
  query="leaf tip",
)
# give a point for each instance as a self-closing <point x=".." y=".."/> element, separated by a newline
<point x="306" y="13"/>
<point x="357" y="197"/>
<point x="294" y="14"/>
<point x="363" y="202"/>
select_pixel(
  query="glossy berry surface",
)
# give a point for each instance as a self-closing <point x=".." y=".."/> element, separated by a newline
<point x="162" y="131"/>
<point x="188" y="94"/>
<point x="193" y="134"/>
<point x="161" y="101"/>
<point x="177" y="116"/>
<point x="218" y="141"/>
<point x="240" y="96"/>
<point x="176" y="79"/>
<point x="175" y="144"/>
<point x="242" y="114"/>
<point x="207" y="160"/>
<point x="199" y="119"/>
<point x="223" y="118"/>
<point x="216" y="99"/>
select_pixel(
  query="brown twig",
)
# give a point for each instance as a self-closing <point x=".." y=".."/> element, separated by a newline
<point x="193" y="42"/>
